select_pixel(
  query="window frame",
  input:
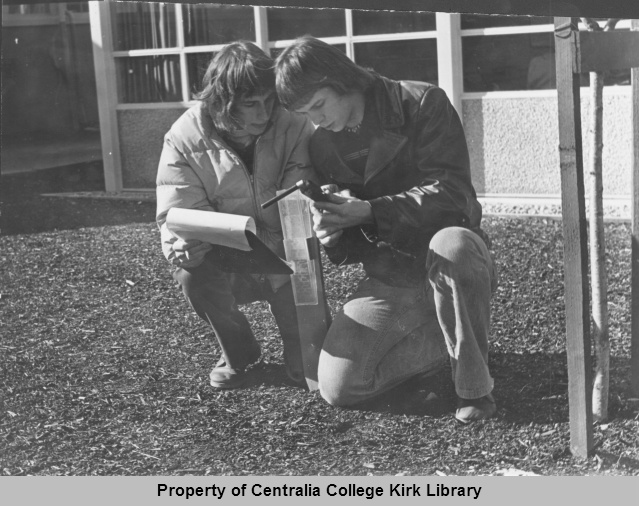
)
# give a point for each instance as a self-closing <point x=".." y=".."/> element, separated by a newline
<point x="523" y="30"/>
<point x="349" y="40"/>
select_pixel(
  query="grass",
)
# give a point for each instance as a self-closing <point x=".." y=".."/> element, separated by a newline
<point x="104" y="368"/>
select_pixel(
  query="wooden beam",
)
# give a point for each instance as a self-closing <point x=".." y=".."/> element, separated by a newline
<point x="578" y="8"/>
<point x="600" y="51"/>
<point x="634" y="340"/>
<point x="104" y="63"/>
<point x="449" y="58"/>
<point x="625" y="9"/>
<point x="575" y="240"/>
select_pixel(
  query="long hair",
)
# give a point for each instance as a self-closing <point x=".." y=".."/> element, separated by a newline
<point x="310" y="64"/>
<point x="239" y="70"/>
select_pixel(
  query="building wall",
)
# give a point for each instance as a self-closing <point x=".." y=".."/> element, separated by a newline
<point x="512" y="142"/>
<point x="141" y="138"/>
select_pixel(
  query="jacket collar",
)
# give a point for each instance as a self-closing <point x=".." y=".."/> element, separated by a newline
<point x="388" y="100"/>
<point x="384" y="148"/>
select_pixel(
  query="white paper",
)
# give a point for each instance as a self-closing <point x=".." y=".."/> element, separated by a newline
<point x="207" y="226"/>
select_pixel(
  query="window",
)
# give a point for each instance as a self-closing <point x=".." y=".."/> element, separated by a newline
<point x="140" y="25"/>
<point x="413" y="57"/>
<point x="154" y="43"/>
<point x="470" y="21"/>
<point x="290" y="23"/>
<point x="149" y="79"/>
<point x="217" y="24"/>
<point x="508" y="62"/>
<point x="512" y="53"/>
<point x="162" y="50"/>
<point x="407" y="59"/>
<point x="374" y="22"/>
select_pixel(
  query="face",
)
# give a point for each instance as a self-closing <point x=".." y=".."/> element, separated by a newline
<point x="329" y="110"/>
<point x="254" y="112"/>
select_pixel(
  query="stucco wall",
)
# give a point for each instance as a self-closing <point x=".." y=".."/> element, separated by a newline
<point x="513" y="143"/>
<point x="141" y="137"/>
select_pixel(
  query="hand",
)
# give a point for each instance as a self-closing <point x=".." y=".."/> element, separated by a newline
<point x="342" y="212"/>
<point x="334" y="189"/>
<point x="327" y="240"/>
<point x="189" y="254"/>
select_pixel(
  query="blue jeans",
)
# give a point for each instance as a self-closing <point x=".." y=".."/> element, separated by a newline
<point x="384" y="335"/>
<point x="215" y="295"/>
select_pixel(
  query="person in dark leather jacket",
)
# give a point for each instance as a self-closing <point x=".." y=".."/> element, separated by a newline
<point x="393" y="158"/>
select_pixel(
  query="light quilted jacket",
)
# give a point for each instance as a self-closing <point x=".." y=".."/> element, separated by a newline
<point x="198" y="170"/>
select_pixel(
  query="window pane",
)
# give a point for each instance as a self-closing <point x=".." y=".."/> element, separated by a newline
<point x="275" y="51"/>
<point x="290" y="23"/>
<point x="485" y="21"/>
<point x="77" y="6"/>
<point x="143" y="25"/>
<point x="409" y="60"/>
<point x="149" y="79"/>
<point x="197" y="65"/>
<point x="217" y="24"/>
<point x="517" y="62"/>
<point x="508" y="62"/>
<point x="370" y="22"/>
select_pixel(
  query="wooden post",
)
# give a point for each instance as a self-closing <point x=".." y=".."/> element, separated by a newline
<point x="634" y="343"/>
<point x="575" y="238"/>
<point x="105" y="78"/>
<point x="303" y="251"/>
<point x="449" y="58"/>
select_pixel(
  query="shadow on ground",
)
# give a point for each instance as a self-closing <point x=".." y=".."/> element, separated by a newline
<point x="529" y="388"/>
<point x="25" y="211"/>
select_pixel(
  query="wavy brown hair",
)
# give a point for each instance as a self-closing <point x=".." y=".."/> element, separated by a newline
<point x="310" y="64"/>
<point x="241" y="69"/>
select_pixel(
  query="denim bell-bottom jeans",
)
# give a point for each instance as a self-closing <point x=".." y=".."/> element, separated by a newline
<point x="384" y="335"/>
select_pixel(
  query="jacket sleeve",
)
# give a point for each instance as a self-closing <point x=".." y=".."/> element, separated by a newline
<point x="298" y="166"/>
<point x="177" y="186"/>
<point x="443" y="194"/>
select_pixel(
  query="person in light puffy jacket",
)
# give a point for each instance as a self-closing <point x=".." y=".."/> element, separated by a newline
<point x="229" y="153"/>
<point x="403" y="206"/>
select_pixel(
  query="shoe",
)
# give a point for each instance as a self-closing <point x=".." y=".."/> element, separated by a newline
<point x="225" y="377"/>
<point x="471" y="410"/>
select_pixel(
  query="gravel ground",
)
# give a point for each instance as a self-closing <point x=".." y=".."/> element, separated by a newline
<point x="621" y="211"/>
<point x="104" y="368"/>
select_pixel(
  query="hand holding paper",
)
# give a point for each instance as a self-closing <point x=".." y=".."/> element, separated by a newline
<point x="190" y="253"/>
<point x="215" y="228"/>
<point x="232" y="238"/>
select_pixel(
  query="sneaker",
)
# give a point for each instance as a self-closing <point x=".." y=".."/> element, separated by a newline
<point x="471" y="410"/>
<point x="225" y="377"/>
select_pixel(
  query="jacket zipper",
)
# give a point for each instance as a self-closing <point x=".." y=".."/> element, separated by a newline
<point x="252" y="180"/>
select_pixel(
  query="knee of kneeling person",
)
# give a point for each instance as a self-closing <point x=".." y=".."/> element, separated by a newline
<point x="456" y="249"/>
<point x="336" y="390"/>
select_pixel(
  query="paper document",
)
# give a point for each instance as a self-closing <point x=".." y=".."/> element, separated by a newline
<point x="236" y="247"/>
<point x="208" y="226"/>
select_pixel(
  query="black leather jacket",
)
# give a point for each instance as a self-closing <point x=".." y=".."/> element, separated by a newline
<point x="417" y="180"/>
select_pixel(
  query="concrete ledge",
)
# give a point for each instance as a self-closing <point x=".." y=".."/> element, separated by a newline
<point x="615" y="210"/>
<point x="137" y="196"/>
